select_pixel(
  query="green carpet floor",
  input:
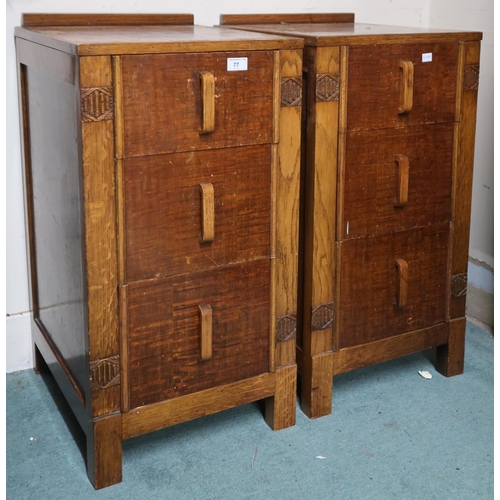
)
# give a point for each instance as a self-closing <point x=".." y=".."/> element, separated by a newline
<point x="392" y="434"/>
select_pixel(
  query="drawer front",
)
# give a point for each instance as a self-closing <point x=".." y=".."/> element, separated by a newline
<point x="164" y="331"/>
<point x="163" y="105"/>
<point x="397" y="179"/>
<point x="164" y="220"/>
<point x="392" y="284"/>
<point x="376" y="88"/>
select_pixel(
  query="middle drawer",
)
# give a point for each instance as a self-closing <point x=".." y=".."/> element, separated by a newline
<point x="164" y="216"/>
<point x="396" y="179"/>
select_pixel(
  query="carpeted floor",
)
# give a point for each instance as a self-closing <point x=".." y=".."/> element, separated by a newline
<point x="392" y="434"/>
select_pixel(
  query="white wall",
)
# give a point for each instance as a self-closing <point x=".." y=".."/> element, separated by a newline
<point x="477" y="15"/>
<point x="421" y="13"/>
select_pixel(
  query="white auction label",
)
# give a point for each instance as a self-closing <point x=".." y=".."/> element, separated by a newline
<point x="237" y="63"/>
<point x="427" y="57"/>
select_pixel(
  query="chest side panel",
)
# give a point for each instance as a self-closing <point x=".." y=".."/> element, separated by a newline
<point x="55" y="184"/>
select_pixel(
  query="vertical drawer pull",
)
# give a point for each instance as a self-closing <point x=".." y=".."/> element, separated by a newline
<point x="402" y="179"/>
<point x="207" y="82"/>
<point x="207" y="212"/>
<point x="205" y="331"/>
<point x="406" y="86"/>
<point x="401" y="283"/>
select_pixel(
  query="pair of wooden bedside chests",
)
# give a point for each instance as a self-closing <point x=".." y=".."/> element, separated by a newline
<point x="210" y="207"/>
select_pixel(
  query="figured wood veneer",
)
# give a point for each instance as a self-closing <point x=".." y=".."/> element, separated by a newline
<point x="374" y="95"/>
<point x="329" y="33"/>
<point x="100" y="235"/>
<point x="162" y="194"/>
<point x="164" y="331"/>
<point x="245" y="19"/>
<point x="240" y="97"/>
<point x="387" y="174"/>
<point x="149" y="39"/>
<point x="462" y="178"/>
<point x="163" y="210"/>
<point x="33" y="20"/>
<point x="377" y="179"/>
<point x="369" y="287"/>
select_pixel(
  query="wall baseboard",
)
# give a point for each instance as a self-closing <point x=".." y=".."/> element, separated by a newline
<point x="18" y="343"/>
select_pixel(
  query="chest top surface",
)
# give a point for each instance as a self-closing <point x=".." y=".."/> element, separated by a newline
<point x="144" y="39"/>
<point x="347" y="33"/>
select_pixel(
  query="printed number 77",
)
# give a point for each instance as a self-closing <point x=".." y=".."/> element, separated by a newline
<point x="236" y="64"/>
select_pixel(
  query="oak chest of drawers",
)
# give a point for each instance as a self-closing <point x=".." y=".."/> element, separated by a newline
<point x="162" y="183"/>
<point x="387" y="177"/>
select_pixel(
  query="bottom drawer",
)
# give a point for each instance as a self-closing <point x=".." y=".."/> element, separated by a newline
<point x="392" y="284"/>
<point x="163" y="323"/>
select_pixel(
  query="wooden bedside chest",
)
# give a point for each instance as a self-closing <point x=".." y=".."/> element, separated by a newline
<point x="162" y="168"/>
<point x="389" y="150"/>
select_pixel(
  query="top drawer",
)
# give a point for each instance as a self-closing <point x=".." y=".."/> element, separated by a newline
<point x="165" y="97"/>
<point x="382" y="92"/>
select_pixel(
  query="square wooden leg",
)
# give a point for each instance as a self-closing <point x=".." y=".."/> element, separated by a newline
<point x="104" y="451"/>
<point x="450" y="357"/>
<point x="39" y="362"/>
<point x="281" y="409"/>
<point x="317" y="383"/>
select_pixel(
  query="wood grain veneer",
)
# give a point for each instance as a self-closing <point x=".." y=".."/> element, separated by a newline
<point x="374" y="94"/>
<point x="121" y="40"/>
<point x="34" y="19"/>
<point x="371" y="179"/>
<point x="162" y="207"/>
<point x="331" y="34"/>
<point x="164" y="331"/>
<point x="368" y="308"/>
<point x="100" y="233"/>
<point x="242" y="109"/>
<point x="467" y="80"/>
<point x="231" y="19"/>
<point x="386" y="187"/>
<point x="163" y="220"/>
<point x="166" y="413"/>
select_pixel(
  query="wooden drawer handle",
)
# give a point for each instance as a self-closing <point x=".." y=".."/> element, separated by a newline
<point x="401" y="283"/>
<point x="207" y="212"/>
<point x="402" y="179"/>
<point x="207" y="82"/>
<point x="406" y="86"/>
<point x="205" y="312"/>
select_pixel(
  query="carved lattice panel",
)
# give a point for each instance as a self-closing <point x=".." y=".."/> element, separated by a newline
<point x="96" y="104"/>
